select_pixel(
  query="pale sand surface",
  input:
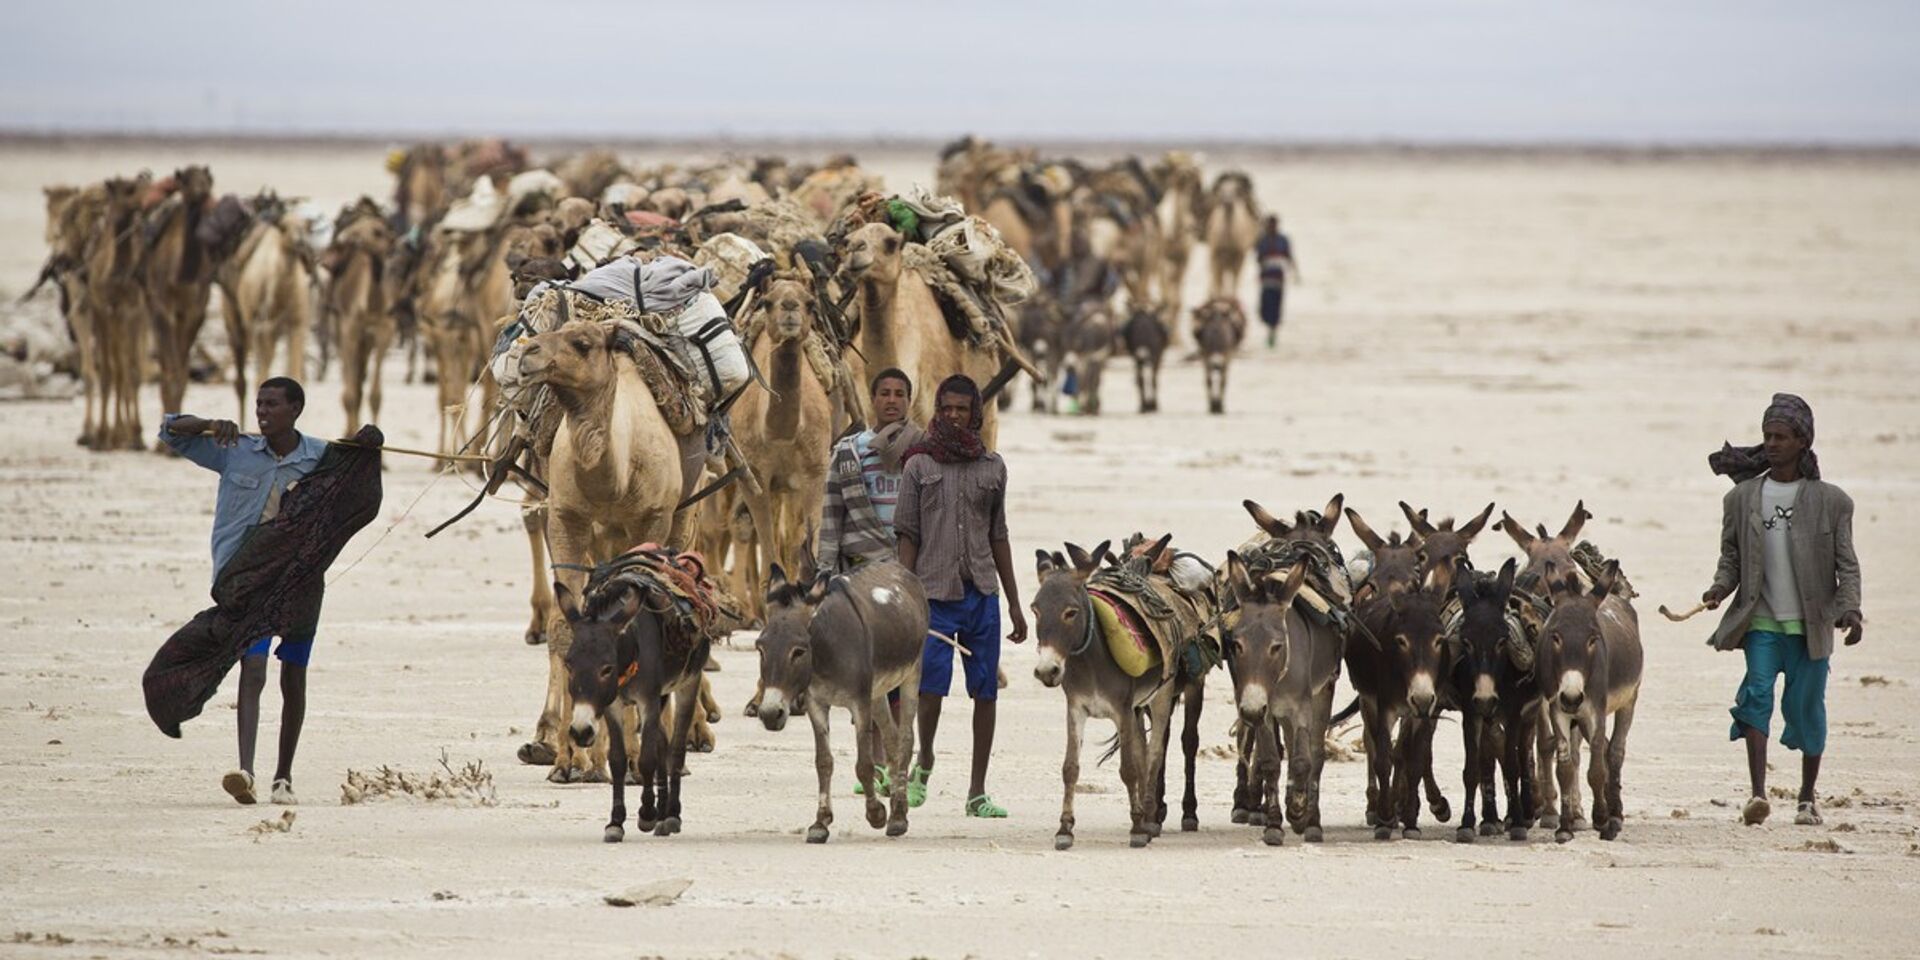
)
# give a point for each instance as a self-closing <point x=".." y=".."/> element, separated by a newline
<point x="1530" y="332"/>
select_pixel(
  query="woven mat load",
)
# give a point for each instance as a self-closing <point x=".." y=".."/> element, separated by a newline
<point x="1327" y="596"/>
<point x="673" y="584"/>
<point x="1177" y="624"/>
<point x="1524" y="619"/>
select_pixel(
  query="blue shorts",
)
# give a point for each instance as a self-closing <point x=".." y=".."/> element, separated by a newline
<point x="1803" y="705"/>
<point x="296" y="650"/>
<point x="974" y="620"/>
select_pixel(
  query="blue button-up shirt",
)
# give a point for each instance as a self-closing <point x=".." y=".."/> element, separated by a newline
<point x="249" y="475"/>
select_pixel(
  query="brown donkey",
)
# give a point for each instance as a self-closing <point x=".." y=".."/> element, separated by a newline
<point x="1589" y="668"/>
<point x="1073" y="656"/>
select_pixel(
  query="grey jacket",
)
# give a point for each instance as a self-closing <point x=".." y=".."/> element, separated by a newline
<point x="1823" y="561"/>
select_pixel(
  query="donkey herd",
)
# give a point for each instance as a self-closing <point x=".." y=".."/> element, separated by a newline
<point x="1535" y="657"/>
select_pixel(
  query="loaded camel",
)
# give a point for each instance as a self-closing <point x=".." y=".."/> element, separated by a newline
<point x="177" y="274"/>
<point x="355" y="298"/>
<point x="1233" y="224"/>
<point x="265" y="287"/>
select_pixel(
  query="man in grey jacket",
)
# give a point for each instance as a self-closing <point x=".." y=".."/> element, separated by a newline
<point x="1787" y="560"/>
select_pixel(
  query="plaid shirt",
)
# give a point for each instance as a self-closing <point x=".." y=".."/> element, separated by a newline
<point x="851" y="531"/>
<point x="955" y="512"/>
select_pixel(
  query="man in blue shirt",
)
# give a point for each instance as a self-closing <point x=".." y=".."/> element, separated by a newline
<point x="254" y="472"/>
<point x="1275" y="255"/>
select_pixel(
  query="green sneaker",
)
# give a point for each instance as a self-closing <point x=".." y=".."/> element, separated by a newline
<point x="917" y="785"/>
<point x="881" y="785"/>
<point x="983" y="806"/>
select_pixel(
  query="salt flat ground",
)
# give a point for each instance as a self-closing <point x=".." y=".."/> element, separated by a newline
<point x="1531" y="331"/>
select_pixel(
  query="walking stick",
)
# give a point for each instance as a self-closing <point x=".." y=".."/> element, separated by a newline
<point x="1679" y="617"/>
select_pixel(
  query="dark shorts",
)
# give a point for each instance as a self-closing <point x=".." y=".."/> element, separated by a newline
<point x="1272" y="300"/>
<point x="296" y="650"/>
<point x="974" y="620"/>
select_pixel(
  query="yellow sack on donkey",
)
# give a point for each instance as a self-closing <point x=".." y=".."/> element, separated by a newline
<point x="1131" y="649"/>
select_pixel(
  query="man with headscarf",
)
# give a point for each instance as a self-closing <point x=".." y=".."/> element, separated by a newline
<point x="951" y="529"/>
<point x="1787" y="561"/>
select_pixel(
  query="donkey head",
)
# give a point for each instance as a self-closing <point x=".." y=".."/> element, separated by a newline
<point x="1307" y="525"/>
<point x="1574" y="653"/>
<point x="1443" y="543"/>
<point x="1258" y="651"/>
<point x="1481" y="649"/>
<point x="1397" y="564"/>
<point x="1062" y="612"/>
<point x="786" y="644"/>
<point x="1542" y="550"/>
<point x="608" y="633"/>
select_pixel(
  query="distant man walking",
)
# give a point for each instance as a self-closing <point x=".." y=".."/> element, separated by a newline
<point x="254" y="473"/>
<point x="1274" y="253"/>
<point x="1787" y="560"/>
<point x="951" y="522"/>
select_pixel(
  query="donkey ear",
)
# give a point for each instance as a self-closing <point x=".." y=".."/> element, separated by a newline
<point x="1576" y="521"/>
<point x="569" y="604"/>
<point x="1060" y="560"/>
<point x="1440" y="578"/>
<point x="1516" y="531"/>
<point x="1274" y="526"/>
<point x="1159" y="546"/>
<point x="1237" y="579"/>
<point x="1417" y="519"/>
<point x="1101" y="552"/>
<point x="776" y="578"/>
<point x="1603" y="584"/>
<point x="817" y="588"/>
<point x="1043" y="563"/>
<point x="1507" y="572"/>
<point x="1463" y="585"/>
<point x="1296" y="578"/>
<point x="1330" y="517"/>
<point x="1364" y="532"/>
<point x="1477" y="524"/>
<point x="621" y="613"/>
<point x="1082" y="560"/>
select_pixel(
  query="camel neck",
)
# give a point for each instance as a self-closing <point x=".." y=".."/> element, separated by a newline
<point x="590" y="415"/>
<point x="876" y="320"/>
<point x="783" y="369"/>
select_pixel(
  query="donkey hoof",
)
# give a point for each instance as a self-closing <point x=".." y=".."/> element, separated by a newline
<point x="896" y="828"/>
<point x="1562" y="836"/>
<point x="1463" y="835"/>
<point x="1138" y="840"/>
<point x="1062" y="841"/>
<point x="535" y="754"/>
<point x="1611" y="830"/>
<point x="615" y="833"/>
<point x="1373" y="819"/>
<point x="1410" y="833"/>
<point x="752" y="710"/>
<point x="816" y="834"/>
<point x="713" y="716"/>
<point x="1153" y="830"/>
<point x="1442" y="811"/>
<point x="1273" y="836"/>
<point x="662" y="829"/>
<point x="1189" y="824"/>
<point x="1240" y="815"/>
<point x="1550" y="822"/>
<point x="644" y="824"/>
<point x="535" y="638"/>
<point x="1488" y="828"/>
<point x="1311" y="835"/>
<point x="1257" y="818"/>
<point x="876" y="815"/>
<point x="1383" y="832"/>
<point x="1517" y="834"/>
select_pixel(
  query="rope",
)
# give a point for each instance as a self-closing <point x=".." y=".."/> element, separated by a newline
<point x="1134" y="584"/>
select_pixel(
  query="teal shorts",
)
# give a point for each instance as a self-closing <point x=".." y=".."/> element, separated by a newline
<point x="1803" y="705"/>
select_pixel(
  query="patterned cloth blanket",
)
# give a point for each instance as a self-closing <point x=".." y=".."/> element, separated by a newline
<point x="670" y="583"/>
<point x="1154" y="621"/>
<point x="1327" y="596"/>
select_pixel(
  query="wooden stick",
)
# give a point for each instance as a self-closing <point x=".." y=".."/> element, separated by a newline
<point x="1678" y="617"/>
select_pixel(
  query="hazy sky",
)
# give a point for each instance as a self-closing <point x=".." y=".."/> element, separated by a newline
<point x="1447" y="70"/>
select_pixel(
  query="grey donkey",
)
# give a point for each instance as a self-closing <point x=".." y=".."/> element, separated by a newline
<point x="845" y="641"/>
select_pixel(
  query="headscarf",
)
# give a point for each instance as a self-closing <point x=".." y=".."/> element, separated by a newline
<point x="892" y="442"/>
<point x="946" y="442"/>
<point x="1745" y="463"/>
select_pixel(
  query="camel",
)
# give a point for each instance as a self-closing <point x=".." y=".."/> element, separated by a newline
<point x="615" y="476"/>
<point x="1233" y="224"/>
<point x="1181" y="196"/>
<point x="467" y="286"/>
<point x="786" y="432"/>
<point x="901" y="324"/>
<point x="420" y="190"/>
<point x="356" y="299"/>
<point x="88" y="248"/>
<point x="178" y="277"/>
<point x="1034" y="214"/>
<point x="265" y="288"/>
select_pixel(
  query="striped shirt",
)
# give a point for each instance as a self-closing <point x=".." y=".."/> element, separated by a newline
<point x="856" y="519"/>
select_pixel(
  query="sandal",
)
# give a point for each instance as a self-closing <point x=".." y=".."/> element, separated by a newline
<point x="983" y="806"/>
<point x="881" y="784"/>
<point x="239" y="785"/>
<point x="1808" y="815"/>
<point x="1755" y="812"/>
<point x="917" y="785"/>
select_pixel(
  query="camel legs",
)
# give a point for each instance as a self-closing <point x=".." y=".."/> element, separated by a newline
<point x="534" y="519"/>
<point x="240" y="341"/>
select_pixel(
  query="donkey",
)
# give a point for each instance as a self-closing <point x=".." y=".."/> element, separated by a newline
<point x="1041" y="321"/>
<point x="1545" y="553"/>
<point x="1283" y="668"/>
<point x="1397" y="670"/>
<point x="844" y="641"/>
<point x="1589" y="669"/>
<point x="1218" y="327"/>
<point x="1146" y="336"/>
<point x="1443" y="543"/>
<point x="1498" y="700"/>
<point x="621" y="650"/>
<point x="1073" y="656"/>
<point x="1086" y="343"/>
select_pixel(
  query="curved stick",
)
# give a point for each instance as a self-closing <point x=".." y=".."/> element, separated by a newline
<point x="1678" y="617"/>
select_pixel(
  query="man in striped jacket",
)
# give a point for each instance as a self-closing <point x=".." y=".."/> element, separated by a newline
<point x="863" y="480"/>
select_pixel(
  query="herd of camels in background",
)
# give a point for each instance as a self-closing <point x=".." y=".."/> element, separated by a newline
<point x="470" y="230"/>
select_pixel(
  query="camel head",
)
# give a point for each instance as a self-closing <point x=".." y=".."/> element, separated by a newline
<point x="196" y="183"/>
<point x="874" y="251"/>
<point x="788" y="302"/>
<point x="577" y="358"/>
